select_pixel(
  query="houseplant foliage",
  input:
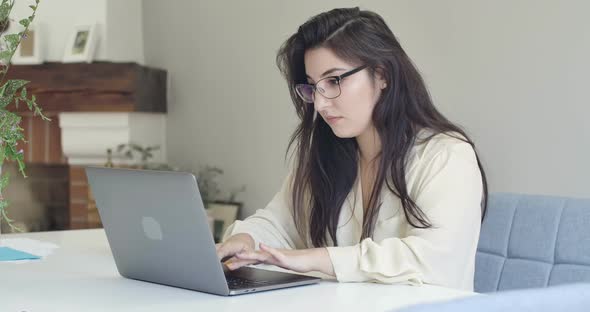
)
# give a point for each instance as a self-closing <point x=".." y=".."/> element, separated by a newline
<point x="12" y="92"/>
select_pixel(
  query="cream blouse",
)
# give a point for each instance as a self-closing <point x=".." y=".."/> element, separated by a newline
<point x="443" y="179"/>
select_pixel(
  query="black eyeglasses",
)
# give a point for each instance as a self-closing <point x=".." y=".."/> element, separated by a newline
<point x="328" y="87"/>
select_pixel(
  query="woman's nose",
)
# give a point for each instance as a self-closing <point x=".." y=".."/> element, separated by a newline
<point x="321" y="102"/>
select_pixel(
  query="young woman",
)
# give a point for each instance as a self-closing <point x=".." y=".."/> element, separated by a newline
<point x="384" y="188"/>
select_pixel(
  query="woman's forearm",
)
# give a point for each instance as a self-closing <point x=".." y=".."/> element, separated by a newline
<point x="322" y="261"/>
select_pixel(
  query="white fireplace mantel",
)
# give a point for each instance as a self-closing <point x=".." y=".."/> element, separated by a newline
<point x="86" y="136"/>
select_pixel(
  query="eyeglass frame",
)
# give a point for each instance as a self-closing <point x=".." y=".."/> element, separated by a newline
<point x="338" y="79"/>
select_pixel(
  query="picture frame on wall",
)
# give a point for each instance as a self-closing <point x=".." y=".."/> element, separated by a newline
<point x="29" y="50"/>
<point x="224" y="214"/>
<point x="81" y="44"/>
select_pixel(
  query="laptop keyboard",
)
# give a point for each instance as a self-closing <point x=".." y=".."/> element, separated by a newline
<point x="235" y="282"/>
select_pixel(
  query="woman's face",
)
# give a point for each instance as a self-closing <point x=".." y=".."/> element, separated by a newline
<point x="349" y="115"/>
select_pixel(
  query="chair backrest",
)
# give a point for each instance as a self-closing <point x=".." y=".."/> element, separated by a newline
<point x="571" y="298"/>
<point x="530" y="241"/>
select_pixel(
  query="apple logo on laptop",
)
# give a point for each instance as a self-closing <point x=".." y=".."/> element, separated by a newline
<point x="151" y="228"/>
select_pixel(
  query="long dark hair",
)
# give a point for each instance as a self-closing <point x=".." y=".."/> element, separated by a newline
<point x="326" y="166"/>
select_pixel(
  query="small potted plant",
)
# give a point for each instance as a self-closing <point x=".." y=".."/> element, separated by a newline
<point x="12" y="92"/>
<point x="222" y="210"/>
<point x="145" y="154"/>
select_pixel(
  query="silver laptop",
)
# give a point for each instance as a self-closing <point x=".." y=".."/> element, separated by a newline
<point x="157" y="228"/>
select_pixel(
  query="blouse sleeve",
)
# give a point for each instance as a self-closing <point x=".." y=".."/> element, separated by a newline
<point x="272" y="225"/>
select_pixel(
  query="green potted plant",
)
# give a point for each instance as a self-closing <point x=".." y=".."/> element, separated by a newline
<point x="206" y="179"/>
<point x="222" y="210"/>
<point x="145" y="153"/>
<point x="12" y="92"/>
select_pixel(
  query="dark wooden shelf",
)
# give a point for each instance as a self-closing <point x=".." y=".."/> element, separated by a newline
<point x="98" y="86"/>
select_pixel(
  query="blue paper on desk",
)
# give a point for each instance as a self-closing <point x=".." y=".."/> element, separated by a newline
<point x="9" y="254"/>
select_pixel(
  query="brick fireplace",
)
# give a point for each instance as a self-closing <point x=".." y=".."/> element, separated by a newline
<point x="93" y="107"/>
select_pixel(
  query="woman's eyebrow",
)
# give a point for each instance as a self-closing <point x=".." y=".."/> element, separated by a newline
<point x="327" y="72"/>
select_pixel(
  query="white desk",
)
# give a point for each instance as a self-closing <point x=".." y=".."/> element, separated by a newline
<point x="81" y="276"/>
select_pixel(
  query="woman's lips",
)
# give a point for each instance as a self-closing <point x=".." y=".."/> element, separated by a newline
<point x="333" y="119"/>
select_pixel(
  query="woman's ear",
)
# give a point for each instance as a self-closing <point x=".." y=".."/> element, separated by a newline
<point x="380" y="80"/>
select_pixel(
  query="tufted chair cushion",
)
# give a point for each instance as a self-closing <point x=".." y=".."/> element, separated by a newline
<point x="532" y="241"/>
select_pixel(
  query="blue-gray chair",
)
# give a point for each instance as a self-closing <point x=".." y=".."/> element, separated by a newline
<point x="570" y="298"/>
<point x="532" y="241"/>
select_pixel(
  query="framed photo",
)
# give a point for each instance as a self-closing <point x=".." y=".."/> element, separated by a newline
<point x="81" y="44"/>
<point x="223" y="214"/>
<point x="29" y="49"/>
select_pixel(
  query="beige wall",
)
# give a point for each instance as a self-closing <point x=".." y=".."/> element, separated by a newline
<point x="118" y="26"/>
<point x="513" y="73"/>
<point x="58" y="18"/>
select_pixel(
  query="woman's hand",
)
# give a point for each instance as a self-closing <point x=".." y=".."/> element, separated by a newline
<point x="300" y="260"/>
<point x="241" y="242"/>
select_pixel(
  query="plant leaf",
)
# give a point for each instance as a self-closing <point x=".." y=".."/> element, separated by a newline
<point x="25" y="22"/>
<point x="4" y="101"/>
<point x="6" y="55"/>
<point x="5" y="10"/>
<point x="120" y="147"/>
<point x="12" y="86"/>
<point x="13" y="40"/>
<point x="4" y="181"/>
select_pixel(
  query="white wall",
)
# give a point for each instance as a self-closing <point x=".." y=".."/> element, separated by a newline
<point x="124" y="31"/>
<point x="118" y="24"/>
<point x="513" y="73"/>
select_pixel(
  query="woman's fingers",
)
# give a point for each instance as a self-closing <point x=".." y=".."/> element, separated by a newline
<point x="238" y="263"/>
<point x="234" y="245"/>
<point x="253" y="255"/>
<point x="221" y="253"/>
<point x="225" y="250"/>
<point x="279" y="256"/>
<point x="229" y="249"/>
<point x="259" y="256"/>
